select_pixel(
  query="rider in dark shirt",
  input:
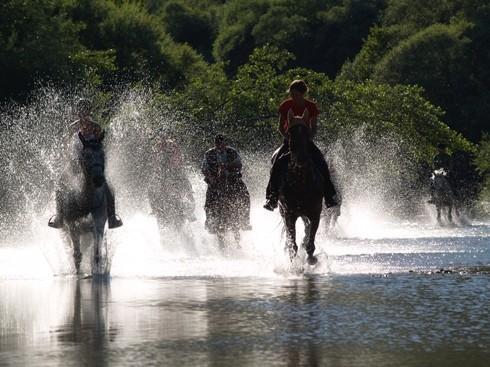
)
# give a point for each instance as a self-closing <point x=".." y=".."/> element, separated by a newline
<point x="223" y="165"/>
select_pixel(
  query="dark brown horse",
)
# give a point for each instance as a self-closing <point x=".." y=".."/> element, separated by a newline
<point x="300" y="192"/>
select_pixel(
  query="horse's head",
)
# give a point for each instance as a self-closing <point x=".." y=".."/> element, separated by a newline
<point x="439" y="178"/>
<point x="299" y="135"/>
<point x="93" y="160"/>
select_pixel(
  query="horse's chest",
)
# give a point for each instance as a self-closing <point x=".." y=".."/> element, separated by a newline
<point x="299" y="178"/>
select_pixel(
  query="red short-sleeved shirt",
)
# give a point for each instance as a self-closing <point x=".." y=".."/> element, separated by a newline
<point x="297" y="110"/>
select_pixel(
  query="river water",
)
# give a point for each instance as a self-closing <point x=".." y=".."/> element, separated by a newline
<point x="383" y="294"/>
<point x="386" y="292"/>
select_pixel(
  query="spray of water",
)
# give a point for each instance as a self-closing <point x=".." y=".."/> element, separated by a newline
<point x="31" y="161"/>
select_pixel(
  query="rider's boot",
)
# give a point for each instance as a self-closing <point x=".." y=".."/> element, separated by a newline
<point x="330" y="202"/>
<point x="56" y="221"/>
<point x="272" y="189"/>
<point x="113" y="220"/>
<point x="271" y="204"/>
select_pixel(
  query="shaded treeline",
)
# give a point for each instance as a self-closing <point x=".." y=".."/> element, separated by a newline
<point x="403" y="68"/>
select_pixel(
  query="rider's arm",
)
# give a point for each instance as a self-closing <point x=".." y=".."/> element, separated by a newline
<point x="282" y="126"/>
<point x="283" y="116"/>
<point x="314" y="112"/>
<point x="206" y="170"/>
<point x="205" y="167"/>
<point x="236" y="164"/>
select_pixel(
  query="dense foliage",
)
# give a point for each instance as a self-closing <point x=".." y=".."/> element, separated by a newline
<point x="405" y="67"/>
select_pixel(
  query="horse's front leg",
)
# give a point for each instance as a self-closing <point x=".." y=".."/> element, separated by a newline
<point x="450" y="213"/>
<point x="99" y="254"/>
<point x="291" y="246"/>
<point x="438" y="209"/>
<point x="309" y="244"/>
<point x="236" y="235"/>
<point x="77" y="254"/>
<point x="221" y="239"/>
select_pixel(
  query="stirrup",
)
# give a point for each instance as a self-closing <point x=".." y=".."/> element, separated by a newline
<point x="55" y="222"/>
<point x="114" y="221"/>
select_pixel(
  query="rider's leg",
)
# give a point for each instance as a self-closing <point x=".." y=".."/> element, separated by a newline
<point x="279" y="152"/>
<point x="209" y="209"/>
<point x="113" y="220"/>
<point x="328" y="188"/>
<point x="57" y="220"/>
<point x="271" y="191"/>
<point x="431" y="192"/>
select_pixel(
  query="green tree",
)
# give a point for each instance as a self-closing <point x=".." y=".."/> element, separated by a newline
<point x="189" y="25"/>
<point x="435" y="58"/>
<point x="38" y="40"/>
<point x="235" y="42"/>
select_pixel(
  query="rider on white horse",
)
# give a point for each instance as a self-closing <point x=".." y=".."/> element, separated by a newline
<point x="87" y="128"/>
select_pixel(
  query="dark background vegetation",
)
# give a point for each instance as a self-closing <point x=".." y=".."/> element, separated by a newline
<point x="413" y="68"/>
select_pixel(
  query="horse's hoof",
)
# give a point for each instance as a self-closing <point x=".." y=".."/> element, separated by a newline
<point x="312" y="260"/>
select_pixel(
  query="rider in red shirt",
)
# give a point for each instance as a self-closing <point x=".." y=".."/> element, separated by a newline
<point x="298" y="107"/>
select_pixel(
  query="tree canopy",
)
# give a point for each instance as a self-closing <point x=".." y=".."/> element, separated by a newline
<point x="414" y="68"/>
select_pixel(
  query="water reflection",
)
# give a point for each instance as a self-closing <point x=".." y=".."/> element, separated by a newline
<point x="307" y="321"/>
<point x="305" y="354"/>
<point x="87" y="323"/>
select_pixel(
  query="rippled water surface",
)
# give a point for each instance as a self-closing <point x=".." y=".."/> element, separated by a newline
<point x="401" y="294"/>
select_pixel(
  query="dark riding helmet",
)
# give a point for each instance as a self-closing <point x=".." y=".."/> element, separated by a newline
<point x="441" y="146"/>
<point x="83" y="106"/>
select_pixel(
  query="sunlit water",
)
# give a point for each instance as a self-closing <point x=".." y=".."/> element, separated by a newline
<point x="386" y="292"/>
<point x="373" y="300"/>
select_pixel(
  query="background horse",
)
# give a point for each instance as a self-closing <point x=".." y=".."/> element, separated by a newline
<point x="225" y="207"/>
<point x="443" y="194"/>
<point x="84" y="206"/>
<point x="301" y="191"/>
<point x="172" y="203"/>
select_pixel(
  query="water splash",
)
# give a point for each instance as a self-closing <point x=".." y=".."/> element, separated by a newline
<point x="31" y="161"/>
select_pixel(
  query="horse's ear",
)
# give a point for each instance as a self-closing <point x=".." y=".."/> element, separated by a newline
<point x="290" y="115"/>
<point x="102" y="136"/>
<point x="82" y="139"/>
